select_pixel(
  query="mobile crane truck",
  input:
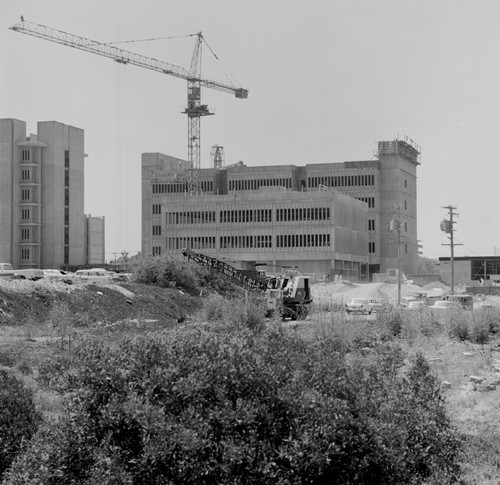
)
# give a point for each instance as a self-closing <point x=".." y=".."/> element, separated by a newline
<point x="290" y="295"/>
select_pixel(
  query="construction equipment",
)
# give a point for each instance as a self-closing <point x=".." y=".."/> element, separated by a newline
<point x="288" y="294"/>
<point x="194" y="110"/>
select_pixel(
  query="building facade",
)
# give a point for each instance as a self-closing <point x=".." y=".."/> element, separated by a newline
<point x="94" y="240"/>
<point x="349" y="218"/>
<point x="470" y="270"/>
<point x="42" y="195"/>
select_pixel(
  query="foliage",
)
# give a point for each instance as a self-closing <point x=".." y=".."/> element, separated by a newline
<point x="427" y="266"/>
<point x="458" y="325"/>
<point x="168" y="272"/>
<point x="208" y="405"/>
<point x="249" y="312"/>
<point x="18" y="418"/>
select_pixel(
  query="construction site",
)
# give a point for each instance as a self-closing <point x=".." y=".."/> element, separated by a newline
<point x="353" y="219"/>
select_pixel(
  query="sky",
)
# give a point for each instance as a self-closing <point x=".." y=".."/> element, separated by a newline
<point x="327" y="80"/>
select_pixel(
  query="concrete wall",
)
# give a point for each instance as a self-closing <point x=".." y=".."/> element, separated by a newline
<point x="398" y="187"/>
<point x="381" y="184"/>
<point x="155" y="166"/>
<point x="11" y="131"/>
<point x="95" y="237"/>
<point x="61" y="138"/>
<point x="462" y="272"/>
<point x="345" y="229"/>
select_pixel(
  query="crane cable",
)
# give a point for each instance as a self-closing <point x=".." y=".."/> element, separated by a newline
<point x="148" y="40"/>
<point x="228" y="73"/>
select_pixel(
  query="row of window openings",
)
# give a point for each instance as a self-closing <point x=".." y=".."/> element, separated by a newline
<point x="367" y="200"/>
<point x="238" y="216"/>
<point x="26" y="195"/>
<point x="26" y="176"/>
<point x="254" y="184"/>
<point x="26" y="254"/>
<point x="181" y="187"/>
<point x="371" y="225"/>
<point x="249" y="242"/>
<point x="26" y="156"/>
<point x="371" y="247"/>
<point x="177" y="243"/>
<point x="26" y="215"/>
<point x="342" y="180"/>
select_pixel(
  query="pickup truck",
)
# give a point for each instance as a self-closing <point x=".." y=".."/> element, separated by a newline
<point x="6" y="271"/>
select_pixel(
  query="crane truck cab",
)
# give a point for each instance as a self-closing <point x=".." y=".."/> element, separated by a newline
<point x="290" y="295"/>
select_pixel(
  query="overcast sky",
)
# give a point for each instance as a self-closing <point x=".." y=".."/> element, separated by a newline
<point x="327" y="80"/>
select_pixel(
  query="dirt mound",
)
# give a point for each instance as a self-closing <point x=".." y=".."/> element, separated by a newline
<point x="25" y="301"/>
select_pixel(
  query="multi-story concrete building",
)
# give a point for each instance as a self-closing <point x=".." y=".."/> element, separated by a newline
<point x="94" y="240"/>
<point x="349" y="218"/>
<point x="42" y="196"/>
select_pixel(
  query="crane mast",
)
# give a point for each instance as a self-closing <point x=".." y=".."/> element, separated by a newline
<point x="194" y="110"/>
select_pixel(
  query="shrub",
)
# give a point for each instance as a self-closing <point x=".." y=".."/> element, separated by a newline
<point x="458" y="326"/>
<point x="18" y="418"/>
<point x="395" y="323"/>
<point x="480" y="331"/>
<point x="209" y="405"/>
<point x="167" y="272"/>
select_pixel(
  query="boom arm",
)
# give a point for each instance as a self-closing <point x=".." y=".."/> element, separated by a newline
<point x="259" y="284"/>
<point x="122" y="56"/>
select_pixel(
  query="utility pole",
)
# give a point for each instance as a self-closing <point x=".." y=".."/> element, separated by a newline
<point x="447" y="227"/>
<point x="395" y="225"/>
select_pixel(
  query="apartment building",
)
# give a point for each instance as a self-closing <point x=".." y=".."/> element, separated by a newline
<point x="42" y="218"/>
<point x="351" y="218"/>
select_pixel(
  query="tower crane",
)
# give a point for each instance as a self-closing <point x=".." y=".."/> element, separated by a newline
<point x="194" y="110"/>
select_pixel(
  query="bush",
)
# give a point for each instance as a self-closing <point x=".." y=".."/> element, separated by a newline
<point x="458" y="326"/>
<point x="18" y="418"/>
<point x="167" y="272"/>
<point x="480" y="331"/>
<point x="204" y="405"/>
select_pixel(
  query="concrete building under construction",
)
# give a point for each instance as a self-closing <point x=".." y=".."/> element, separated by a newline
<point x="42" y="218"/>
<point x="351" y="218"/>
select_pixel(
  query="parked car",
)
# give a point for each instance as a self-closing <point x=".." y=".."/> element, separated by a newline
<point x="442" y="305"/>
<point x="462" y="299"/>
<point x="119" y="276"/>
<point x="359" y="305"/>
<point x="94" y="275"/>
<point x="6" y="271"/>
<point x="58" y="275"/>
<point x="54" y="274"/>
<point x="381" y="305"/>
<point x="417" y="305"/>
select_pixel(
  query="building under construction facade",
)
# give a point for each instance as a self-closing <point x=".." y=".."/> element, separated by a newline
<point x="42" y="218"/>
<point x="349" y="218"/>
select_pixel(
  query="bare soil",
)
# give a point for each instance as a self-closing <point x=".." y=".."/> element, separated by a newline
<point x="31" y="302"/>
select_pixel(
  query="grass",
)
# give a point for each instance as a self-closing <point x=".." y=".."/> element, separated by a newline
<point x="440" y="339"/>
<point x="453" y="359"/>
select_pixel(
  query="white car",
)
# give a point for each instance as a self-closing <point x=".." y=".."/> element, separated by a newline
<point x="416" y="305"/>
<point x="54" y="274"/>
<point x="441" y="305"/>
<point x="359" y="305"/>
<point x="94" y="275"/>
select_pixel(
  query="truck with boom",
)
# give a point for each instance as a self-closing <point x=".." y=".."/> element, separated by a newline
<point x="288" y="294"/>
